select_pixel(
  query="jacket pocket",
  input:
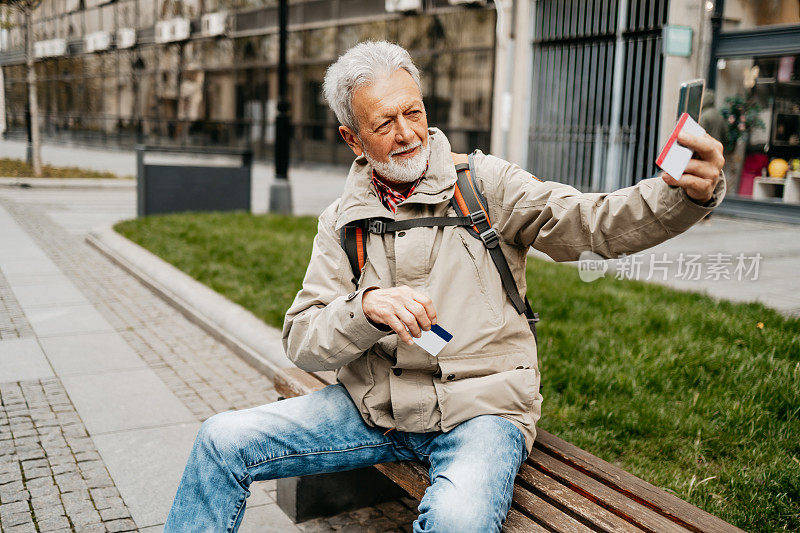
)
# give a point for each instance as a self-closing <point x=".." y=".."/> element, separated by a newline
<point x="507" y="391"/>
<point x="478" y="269"/>
<point x="358" y="379"/>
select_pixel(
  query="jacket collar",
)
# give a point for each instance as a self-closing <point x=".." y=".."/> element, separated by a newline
<point x="359" y="199"/>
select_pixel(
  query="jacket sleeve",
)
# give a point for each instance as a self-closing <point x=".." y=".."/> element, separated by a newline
<point x="562" y="222"/>
<point x="325" y="327"/>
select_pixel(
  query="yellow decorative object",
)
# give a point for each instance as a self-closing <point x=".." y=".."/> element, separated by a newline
<point x="777" y="168"/>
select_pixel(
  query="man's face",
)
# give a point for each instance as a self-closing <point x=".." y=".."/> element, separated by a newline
<point x="393" y="127"/>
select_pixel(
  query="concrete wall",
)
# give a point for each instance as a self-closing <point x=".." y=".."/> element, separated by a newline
<point x="692" y="13"/>
<point x="512" y="81"/>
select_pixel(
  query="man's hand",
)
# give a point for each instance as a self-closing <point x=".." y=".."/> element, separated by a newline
<point x="400" y="308"/>
<point x="701" y="175"/>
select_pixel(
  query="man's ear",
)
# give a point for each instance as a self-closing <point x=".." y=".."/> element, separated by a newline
<point x="351" y="139"/>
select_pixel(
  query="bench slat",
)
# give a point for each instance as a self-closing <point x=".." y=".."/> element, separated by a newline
<point x="604" y="496"/>
<point x="517" y="522"/>
<point x="328" y="377"/>
<point x="563" y="497"/>
<point x="548" y="516"/>
<point x="412" y="476"/>
<point x="632" y="487"/>
<point x="291" y="382"/>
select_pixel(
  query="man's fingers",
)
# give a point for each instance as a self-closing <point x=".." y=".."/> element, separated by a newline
<point x="697" y="187"/>
<point x="669" y="179"/>
<point x="704" y="169"/>
<point x="409" y="320"/>
<point x="397" y="325"/>
<point x="427" y="303"/>
<point x="420" y="314"/>
<point x="707" y="147"/>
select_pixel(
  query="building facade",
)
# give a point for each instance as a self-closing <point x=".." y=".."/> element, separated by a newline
<point x="592" y="95"/>
<point x="204" y="72"/>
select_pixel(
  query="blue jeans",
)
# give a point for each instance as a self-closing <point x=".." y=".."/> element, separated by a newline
<point x="472" y="467"/>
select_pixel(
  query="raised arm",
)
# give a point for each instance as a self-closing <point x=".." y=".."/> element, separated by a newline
<point x="562" y="222"/>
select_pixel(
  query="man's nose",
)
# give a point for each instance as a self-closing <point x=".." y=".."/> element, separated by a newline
<point x="404" y="134"/>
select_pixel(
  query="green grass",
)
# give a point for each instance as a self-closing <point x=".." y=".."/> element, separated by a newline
<point x="683" y="391"/>
<point x="16" y="168"/>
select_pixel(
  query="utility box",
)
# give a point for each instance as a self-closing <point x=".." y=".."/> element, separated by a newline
<point x="172" y="179"/>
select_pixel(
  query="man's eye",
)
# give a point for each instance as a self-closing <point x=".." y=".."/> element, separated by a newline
<point x="384" y="125"/>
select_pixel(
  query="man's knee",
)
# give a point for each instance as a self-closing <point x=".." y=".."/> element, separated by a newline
<point x="222" y="434"/>
<point x="461" y="514"/>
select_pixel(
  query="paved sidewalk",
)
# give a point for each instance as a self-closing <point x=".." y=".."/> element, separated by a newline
<point x="103" y="385"/>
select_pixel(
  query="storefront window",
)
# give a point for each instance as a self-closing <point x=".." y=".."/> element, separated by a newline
<point x="744" y="14"/>
<point x="759" y="100"/>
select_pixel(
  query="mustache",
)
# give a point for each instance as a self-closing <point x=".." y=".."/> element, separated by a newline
<point x="406" y="148"/>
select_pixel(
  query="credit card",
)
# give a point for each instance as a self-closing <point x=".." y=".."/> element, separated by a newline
<point x="674" y="157"/>
<point x="433" y="340"/>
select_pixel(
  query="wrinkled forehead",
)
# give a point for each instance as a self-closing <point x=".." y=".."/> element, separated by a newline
<point x="387" y="95"/>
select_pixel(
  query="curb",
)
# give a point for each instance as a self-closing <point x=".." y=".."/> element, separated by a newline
<point x="248" y="336"/>
<point x="69" y="183"/>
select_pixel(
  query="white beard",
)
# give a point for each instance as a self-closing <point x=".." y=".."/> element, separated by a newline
<point x="402" y="172"/>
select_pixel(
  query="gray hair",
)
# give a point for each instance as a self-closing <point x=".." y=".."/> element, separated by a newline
<point x="361" y="65"/>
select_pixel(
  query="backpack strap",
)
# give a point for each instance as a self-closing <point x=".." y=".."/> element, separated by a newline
<point x="469" y="202"/>
<point x="351" y="237"/>
<point x="473" y="212"/>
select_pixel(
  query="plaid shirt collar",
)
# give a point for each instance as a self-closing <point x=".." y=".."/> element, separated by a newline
<point x="388" y="196"/>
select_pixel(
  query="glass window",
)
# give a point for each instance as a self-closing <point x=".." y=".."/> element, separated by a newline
<point x="220" y="95"/>
<point x="759" y="102"/>
<point x="92" y="20"/>
<point x="741" y="14"/>
<point x="73" y="26"/>
<point x="107" y="18"/>
<point x="126" y="14"/>
<point x="320" y="44"/>
<point x="147" y="10"/>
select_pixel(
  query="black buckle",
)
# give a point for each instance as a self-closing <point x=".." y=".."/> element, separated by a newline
<point x="376" y="226"/>
<point x="478" y="217"/>
<point x="534" y="318"/>
<point x="490" y="238"/>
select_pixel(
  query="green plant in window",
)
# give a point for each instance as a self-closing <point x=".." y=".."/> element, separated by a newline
<point x="741" y="115"/>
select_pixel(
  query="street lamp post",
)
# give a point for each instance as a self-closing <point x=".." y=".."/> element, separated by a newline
<point x="280" y="193"/>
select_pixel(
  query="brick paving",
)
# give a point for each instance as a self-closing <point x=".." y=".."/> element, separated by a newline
<point x="13" y="324"/>
<point x="204" y="374"/>
<point x="51" y="476"/>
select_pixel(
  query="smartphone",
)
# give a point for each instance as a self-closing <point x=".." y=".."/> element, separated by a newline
<point x="690" y="99"/>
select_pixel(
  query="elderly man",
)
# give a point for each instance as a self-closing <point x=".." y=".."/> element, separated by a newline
<point x="470" y="412"/>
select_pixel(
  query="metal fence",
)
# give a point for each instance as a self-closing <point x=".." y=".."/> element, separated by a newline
<point x="573" y="88"/>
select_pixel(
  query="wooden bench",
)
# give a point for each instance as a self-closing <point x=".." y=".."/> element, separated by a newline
<point x="559" y="488"/>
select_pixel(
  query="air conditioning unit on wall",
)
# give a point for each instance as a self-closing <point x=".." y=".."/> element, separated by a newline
<point x="403" y="6"/>
<point x="126" y="37"/>
<point x="97" y="41"/>
<point x="214" y="23"/>
<point x="181" y="29"/>
<point x="177" y="29"/>
<point x="50" y="48"/>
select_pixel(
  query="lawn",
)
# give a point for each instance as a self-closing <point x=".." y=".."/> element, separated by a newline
<point x="17" y="168"/>
<point x="696" y="396"/>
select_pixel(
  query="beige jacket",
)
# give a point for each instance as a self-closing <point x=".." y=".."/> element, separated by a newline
<point x="490" y="365"/>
